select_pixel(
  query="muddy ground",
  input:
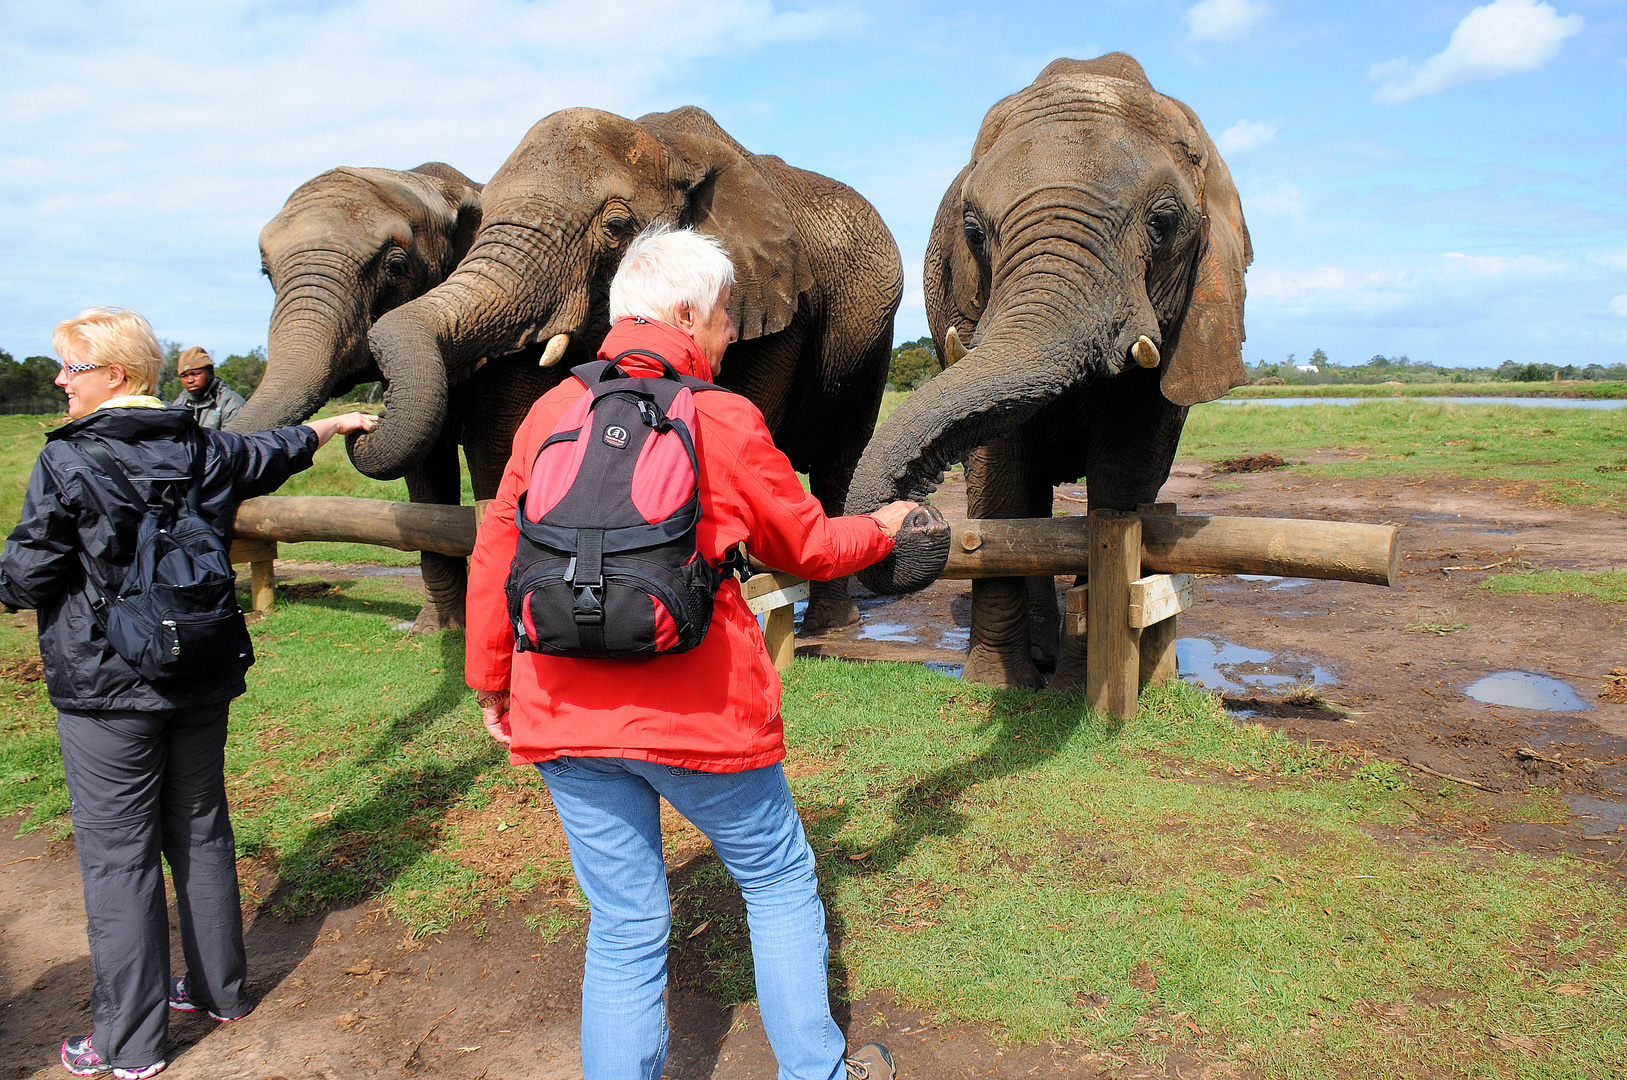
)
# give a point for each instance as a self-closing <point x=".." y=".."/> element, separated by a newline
<point x="349" y="994"/>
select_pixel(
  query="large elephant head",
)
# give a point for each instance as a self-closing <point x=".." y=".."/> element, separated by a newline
<point x="1095" y="229"/>
<point x="557" y="217"/>
<point x="347" y="247"/>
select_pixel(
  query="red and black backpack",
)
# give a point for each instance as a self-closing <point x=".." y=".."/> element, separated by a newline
<point x="606" y="563"/>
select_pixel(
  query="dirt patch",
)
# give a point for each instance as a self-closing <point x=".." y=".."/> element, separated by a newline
<point x="1615" y="691"/>
<point x="307" y="590"/>
<point x="27" y="670"/>
<point x="350" y="994"/>
<point x="1388" y="691"/>
<point x="1252" y="463"/>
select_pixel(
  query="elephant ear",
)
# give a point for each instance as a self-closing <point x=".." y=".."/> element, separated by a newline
<point x="953" y="280"/>
<point x="727" y="196"/>
<point x="1208" y="357"/>
<point x="462" y="197"/>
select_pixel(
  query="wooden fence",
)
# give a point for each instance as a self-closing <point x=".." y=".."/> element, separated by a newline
<point x="1138" y="566"/>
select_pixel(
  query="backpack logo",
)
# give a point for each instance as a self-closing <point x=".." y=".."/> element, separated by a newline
<point x="615" y="436"/>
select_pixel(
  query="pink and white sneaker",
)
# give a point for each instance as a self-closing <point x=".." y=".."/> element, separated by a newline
<point x="80" y="1058"/>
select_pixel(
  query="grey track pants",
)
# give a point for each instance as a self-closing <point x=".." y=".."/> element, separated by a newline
<point x="145" y="784"/>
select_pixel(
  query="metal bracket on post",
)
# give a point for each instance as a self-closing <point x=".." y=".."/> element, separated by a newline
<point x="1113" y="647"/>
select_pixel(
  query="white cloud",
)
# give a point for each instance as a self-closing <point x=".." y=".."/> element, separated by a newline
<point x="1619" y="305"/>
<point x="1501" y="38"/>
<point x="153" y="141"/>
<point x="1246" y="135"/>
<point x="1504" y="266"/>
<point x="1215" y="20"/>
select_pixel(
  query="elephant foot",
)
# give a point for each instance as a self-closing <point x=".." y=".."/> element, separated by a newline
<point x="829" y="611"/>
<point x="1070" y="665"/>
<point x="1008" y="671"/>
<point x="432" y="620"/>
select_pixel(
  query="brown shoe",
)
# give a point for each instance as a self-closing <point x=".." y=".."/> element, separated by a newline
<point x="871" y="1062"/>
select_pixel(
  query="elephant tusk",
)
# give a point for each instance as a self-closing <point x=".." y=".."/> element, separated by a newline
<point x="953" y="351"/>
<point x="1145" y="352"/>
<point x="555" y="350"/>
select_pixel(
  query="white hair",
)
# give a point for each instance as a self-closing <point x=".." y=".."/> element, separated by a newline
<point x="666" y="269"/>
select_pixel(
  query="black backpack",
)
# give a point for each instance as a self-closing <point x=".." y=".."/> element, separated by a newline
<point x="606" y="563"/>
<point x="176" y="612"/>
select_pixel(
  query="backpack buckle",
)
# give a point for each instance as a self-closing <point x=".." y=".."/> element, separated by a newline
<point x="588" y="608"/>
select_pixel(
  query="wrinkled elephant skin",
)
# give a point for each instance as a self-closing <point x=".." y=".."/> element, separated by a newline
<point x="818" y="282"/>
<point x="348" y="246"/>
<point x="1091" y="254"/>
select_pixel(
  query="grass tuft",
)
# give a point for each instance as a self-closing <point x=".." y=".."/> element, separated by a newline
<point x="1607" y="586"/>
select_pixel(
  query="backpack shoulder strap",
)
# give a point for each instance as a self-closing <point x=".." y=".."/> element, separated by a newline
<point x="200" y="461"/>
<point x="110" y="466"/>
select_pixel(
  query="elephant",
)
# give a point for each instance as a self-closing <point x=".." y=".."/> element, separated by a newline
<point x="818" y="280"/>
<point x="1084" y="285"/>
<point x="348" y="246"/>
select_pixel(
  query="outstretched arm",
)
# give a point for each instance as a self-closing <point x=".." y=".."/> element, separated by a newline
<point x="342" y="424"/>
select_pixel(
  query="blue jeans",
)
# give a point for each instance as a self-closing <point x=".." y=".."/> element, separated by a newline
<point x="611" y="811"/>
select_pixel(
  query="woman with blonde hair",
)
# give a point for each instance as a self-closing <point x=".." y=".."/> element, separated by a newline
<point x="144" y="757"/>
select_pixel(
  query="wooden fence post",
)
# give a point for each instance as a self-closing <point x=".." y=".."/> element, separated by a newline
<point x="1113" y="646"/>
<point x="261" y="555"/>
<point x="773" y="594"/>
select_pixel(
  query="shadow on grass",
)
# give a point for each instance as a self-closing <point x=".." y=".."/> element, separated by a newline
<point x="366" y="846"/>
<point x="710" y="947"/>
<point x="333" y="596"/>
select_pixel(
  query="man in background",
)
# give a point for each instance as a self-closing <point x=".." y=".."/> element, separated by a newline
<point x="212" y="402"/>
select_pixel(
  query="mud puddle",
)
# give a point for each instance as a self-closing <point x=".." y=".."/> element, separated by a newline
<point x="1526" y="690"/>
<point x="1226" y="665"/>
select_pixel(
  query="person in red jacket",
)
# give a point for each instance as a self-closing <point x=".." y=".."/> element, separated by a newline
<point x="701" y="728"/>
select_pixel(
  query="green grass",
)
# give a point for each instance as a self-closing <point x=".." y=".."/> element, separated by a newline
<point x="1004" y="858"/>
<point x="1607" y="586"/>
<point x="1440" y="389"/>
<point x="1571" y="456"/>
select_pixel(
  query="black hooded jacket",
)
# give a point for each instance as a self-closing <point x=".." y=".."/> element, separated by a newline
<point x="73" y="513"/>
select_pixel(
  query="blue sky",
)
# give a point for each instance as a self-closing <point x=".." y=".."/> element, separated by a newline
<point x="1439" y="179"/>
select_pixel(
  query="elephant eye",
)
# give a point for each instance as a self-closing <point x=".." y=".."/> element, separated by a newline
<point x="619" y="226"/>
<point x="395" y="263"/>
<point x="973" y="230"/>
<point x="1161" y="225"/>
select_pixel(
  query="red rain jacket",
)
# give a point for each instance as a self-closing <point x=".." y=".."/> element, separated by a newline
<point x="716" y="707"/>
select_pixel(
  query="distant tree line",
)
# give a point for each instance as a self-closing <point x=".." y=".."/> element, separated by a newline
<point x="29" y="385"/>
<point x="913" y="363"/>
<point x="1382" y="369"/>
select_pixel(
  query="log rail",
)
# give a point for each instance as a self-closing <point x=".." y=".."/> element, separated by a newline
<point x="1131" y="555"/>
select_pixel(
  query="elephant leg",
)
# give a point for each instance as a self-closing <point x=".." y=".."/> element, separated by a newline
<point x="446" y="577"/>
<point x="1070" y="658"/>
<point x="1128" y="410"/>
<point x="830" y="607"/>
<point x="997" y="487"/>
<point x="1044" y="617"/>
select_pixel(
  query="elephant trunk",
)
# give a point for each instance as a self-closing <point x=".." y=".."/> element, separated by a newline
<point x="313" y="340"/>
<point x="994" y="388"/>
<point x="437" y="340"/>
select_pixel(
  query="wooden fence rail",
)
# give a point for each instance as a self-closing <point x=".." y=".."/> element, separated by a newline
<point x="1137" y="565"/>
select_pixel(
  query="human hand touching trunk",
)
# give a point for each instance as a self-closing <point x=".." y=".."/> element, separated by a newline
<point x="343" y="424"/>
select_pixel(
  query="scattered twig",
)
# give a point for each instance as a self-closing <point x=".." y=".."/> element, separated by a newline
<point x="419" y="1044"/>
<point x="1449" y="776"/>
<point x="1489" y="566"/>
<point x="1525" y="753"/>
<point x="14" y="862"/>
